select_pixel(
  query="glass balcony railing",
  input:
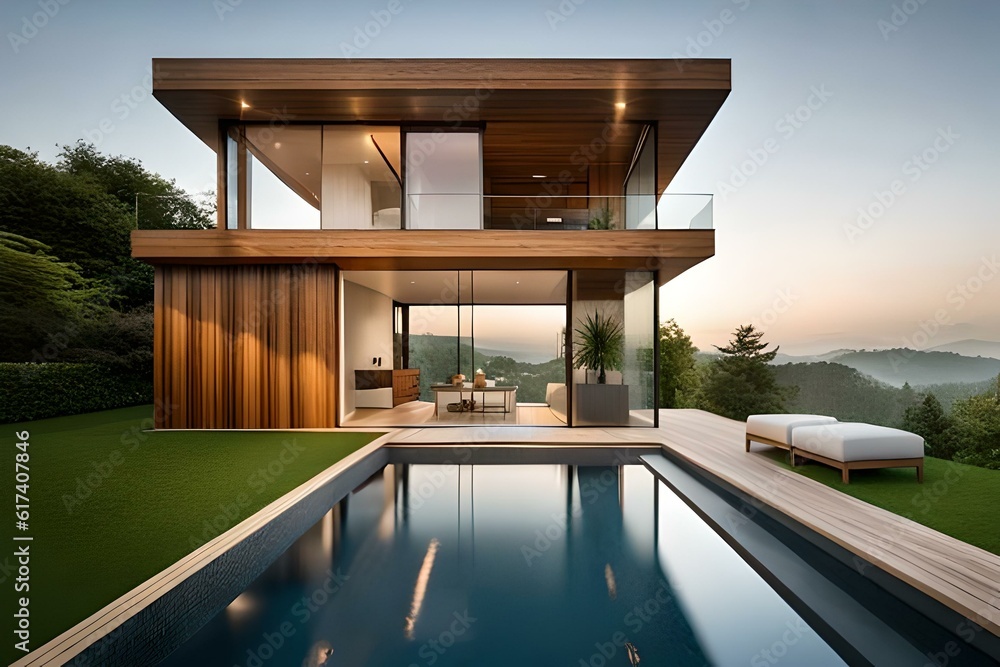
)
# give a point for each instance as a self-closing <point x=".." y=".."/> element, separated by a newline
<point x="674" y="211"/>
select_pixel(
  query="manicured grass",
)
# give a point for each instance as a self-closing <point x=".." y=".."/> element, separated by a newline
<point x="112" y="505"/>
<point x="958" y="500"/>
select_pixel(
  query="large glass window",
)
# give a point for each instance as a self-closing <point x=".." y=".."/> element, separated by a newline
<point x="614" y="327"/>
<point x="639" y="328"/>
<point x="444" y="180"/>
<point x="284" y="167"/>
<point x="232" y="177"/>
<point x="361" y="186"/>
<point x="640" y="186"/>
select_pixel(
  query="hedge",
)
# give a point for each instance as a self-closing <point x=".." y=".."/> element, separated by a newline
<point x="37" y="391"/>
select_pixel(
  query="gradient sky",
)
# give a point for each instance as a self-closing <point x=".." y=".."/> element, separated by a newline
<point x="790" y="254"/>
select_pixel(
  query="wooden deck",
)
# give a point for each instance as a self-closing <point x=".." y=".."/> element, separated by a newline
<point x="960" y="576"/>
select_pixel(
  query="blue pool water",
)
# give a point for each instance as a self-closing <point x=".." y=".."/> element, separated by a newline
<point x="508" y="565"/>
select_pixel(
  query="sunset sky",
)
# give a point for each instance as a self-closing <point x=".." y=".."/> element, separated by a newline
<point x="854" y="164"/>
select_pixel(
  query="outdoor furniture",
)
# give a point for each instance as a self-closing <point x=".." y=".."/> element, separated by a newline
<point x="509" y="395"/>
<point x="776" y="430"/>
<point x="854" y="446"/>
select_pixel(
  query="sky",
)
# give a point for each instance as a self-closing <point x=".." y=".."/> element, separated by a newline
<point x="854" y="165"/>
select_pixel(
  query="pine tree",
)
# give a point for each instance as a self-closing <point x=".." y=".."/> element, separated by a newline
<point x="928" y="420"/>
<point x="741" y="382"/>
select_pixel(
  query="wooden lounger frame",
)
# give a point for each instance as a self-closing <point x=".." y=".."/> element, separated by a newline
<point x="766" y="441"/>
<point x="847" y="466"/>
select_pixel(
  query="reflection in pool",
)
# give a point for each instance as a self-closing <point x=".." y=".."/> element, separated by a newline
<point x="508" y="565"/>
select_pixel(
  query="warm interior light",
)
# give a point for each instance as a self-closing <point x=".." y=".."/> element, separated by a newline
<point x="277" y="144"/>
<point x="244" y="105"/>
<point x="420" y="590"/>
<point x="538" y="175"/>
<point x="620" y="106"/>
<point x="413" y="282"/>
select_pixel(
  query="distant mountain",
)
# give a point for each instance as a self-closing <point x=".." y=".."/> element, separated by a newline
<point x="849" y="395"/>
<point x="899" y="366"/>
<point x="971" y="348"/>
<point x="783" y="358"/>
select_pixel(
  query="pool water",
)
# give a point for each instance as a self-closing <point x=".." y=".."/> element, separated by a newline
<point x="508" y="565"/>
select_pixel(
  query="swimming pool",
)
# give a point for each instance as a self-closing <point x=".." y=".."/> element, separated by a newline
<point x="508" y="565"/>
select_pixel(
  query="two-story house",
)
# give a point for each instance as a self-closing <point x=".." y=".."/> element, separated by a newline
<point x="356" y="197"/>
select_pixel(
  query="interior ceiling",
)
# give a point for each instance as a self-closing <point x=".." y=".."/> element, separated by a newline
<point x="520" y="151"/>
<point x="679" y="97"/>
<point x="477" y="287"/>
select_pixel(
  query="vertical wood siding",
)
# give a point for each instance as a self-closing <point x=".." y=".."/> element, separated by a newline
<point x="245" y="346"/>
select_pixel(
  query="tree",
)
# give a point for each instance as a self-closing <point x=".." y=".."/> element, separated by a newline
<point x="161" y="204"/>
<point x="678" y="375"/>
<point x="75" y="218"/>
<point x="741" y="383"/>
<point x="929" y="421"/>
<point x="43" y="301"/>
<point x="976" y="429"/>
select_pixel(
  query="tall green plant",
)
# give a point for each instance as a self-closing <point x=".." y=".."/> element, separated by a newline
<point x="600" y="345"/>
<point x="603" y="219"/>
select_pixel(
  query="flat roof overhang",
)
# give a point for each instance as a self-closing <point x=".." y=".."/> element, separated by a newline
<point x="667" y="252"/>
<point x="681" y="97"/>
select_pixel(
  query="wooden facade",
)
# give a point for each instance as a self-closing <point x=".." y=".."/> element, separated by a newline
<point x="576" y="99"/>
<point x="667" y="252"/>
<point x="251" y="346"/>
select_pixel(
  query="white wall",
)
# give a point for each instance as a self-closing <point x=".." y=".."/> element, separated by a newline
<point x="347" y="197"/>
<point x="367" y="334"/>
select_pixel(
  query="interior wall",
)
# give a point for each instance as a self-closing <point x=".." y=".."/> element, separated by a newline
<point x="367" y="335"/>
<point x="245" y="346"/>
<point x="347" y="198"/>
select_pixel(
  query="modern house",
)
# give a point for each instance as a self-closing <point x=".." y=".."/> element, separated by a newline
<point x="363" y="204"/>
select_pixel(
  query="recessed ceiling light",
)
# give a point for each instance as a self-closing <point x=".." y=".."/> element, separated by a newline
<point x="244" y="105"/>
<point x="366" y="161"/>
<point x="620" y="106"/>
<point x="277" y="144"/>
<point x="307" y="173"/>
<point x="517" y="282"/>
<point x="538" y="175"/>
<point x="413" y="282"/>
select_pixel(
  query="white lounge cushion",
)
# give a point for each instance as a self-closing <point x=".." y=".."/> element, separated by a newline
<point x="779" y="427"/>
<point x="851" y="441"/>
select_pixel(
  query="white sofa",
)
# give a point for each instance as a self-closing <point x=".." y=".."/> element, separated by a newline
<point x="776" y="430"/>
<point x="854" y="446"/>
<point x="555" y="396"/>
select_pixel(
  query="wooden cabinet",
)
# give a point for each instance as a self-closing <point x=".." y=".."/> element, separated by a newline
<point x="405" y="383"/>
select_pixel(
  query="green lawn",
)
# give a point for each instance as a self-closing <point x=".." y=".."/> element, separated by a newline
<point x="958" y="500"/>
<point x="112" y="505"/>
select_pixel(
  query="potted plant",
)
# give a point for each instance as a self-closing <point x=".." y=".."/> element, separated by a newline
<point x="603" y="219"/>
<point x="600" y="346"/>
